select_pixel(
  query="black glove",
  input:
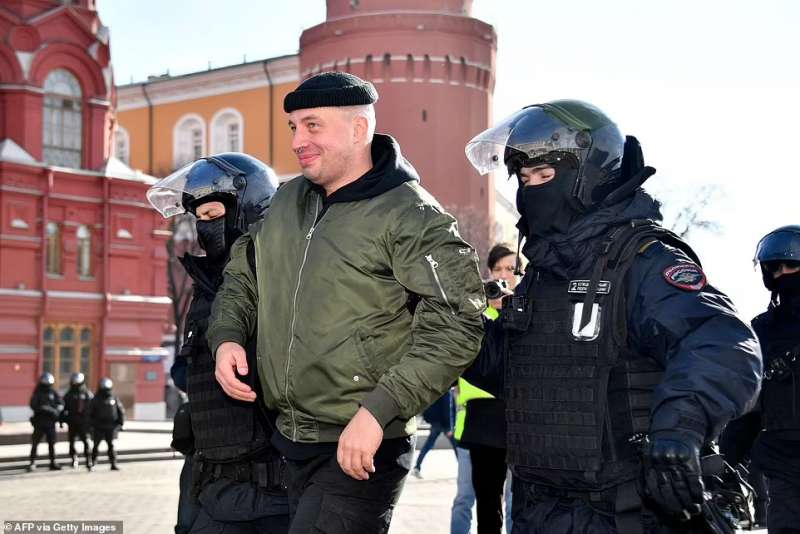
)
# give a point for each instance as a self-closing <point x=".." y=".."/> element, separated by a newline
<point x="673" y="474"/>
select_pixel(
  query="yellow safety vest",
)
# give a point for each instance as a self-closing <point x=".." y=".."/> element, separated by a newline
<point x="467" y="391"/>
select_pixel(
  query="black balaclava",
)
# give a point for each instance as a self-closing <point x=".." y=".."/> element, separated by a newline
<point x="787" y="286"/>
<point x="546" y="209"/>
<point x="216" y="236"/>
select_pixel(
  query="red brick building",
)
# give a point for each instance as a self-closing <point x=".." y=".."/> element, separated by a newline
<point x="82" y="255"/>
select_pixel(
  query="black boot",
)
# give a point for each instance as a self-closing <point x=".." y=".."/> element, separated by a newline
<point x="51" y="450"/>
<point x="112" y="458"/>
<point x="31" y="465"/>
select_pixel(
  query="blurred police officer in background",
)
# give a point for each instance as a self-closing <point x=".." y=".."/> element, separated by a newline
<point x="76" y="414"/>
<point x="46" y="405"/>
<point x="236" y="473"/>
<point x="771" y="433"/>
<point x="107" y="415"/>
<point x="619" y="358"/>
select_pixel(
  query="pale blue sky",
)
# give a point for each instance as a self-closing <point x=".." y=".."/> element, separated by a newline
<point x="710" y="88"/>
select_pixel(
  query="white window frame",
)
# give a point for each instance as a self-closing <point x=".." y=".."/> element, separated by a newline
<point x="219" y="130"/>
<point x="56" y="151"/>
<point x="177" y="158"/>
<point x="83" y="236"/>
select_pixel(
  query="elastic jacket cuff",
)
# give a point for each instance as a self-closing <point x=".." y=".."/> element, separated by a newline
<point x="667" y="420"/>
<point x="224" y="336"/>
<point x="381" y="405"/>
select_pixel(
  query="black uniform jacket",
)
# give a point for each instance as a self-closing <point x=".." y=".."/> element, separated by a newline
<point x="712" y="359"/>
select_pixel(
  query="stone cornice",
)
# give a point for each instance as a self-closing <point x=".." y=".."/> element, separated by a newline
<point x="201" y="84"/>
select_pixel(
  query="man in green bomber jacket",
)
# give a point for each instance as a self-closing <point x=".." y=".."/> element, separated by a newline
<point x="368" y="305"/>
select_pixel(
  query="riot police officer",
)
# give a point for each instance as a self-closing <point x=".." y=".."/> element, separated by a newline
<point x="620" y="362"/>
<point x="76" y="415"/>
<point x="774" y="443"/>
<point x="46" y="405"/>
<point x="236" y="473"/>
<point x="106" y="415"/>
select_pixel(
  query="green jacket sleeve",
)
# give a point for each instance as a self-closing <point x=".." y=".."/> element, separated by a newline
<point x="431" y="260"/>
<point x="234" y="312"/>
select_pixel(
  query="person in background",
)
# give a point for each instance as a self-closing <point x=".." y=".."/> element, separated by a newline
<point x="481" y="424"/>
<point x="107" y="415"/>
<point x="76" y="415"/>
<point x="771" y="433"/>
<point x="46" y="405"/>
<point x="439" y="416"/>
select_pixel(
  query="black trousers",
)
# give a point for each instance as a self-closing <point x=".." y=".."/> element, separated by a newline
<point x="78" y="432"/>
<point x="488" y="479"/>
<point x="535" y="513"/>
<point x="205" y="524"/>
<point x="188" y="508"/>
<point x="323" y="499"/>
<point x="39" y="432"/>
<point x="783" y="511"/>
<point x="107" y="435"/>
<point x="231" y="507"/>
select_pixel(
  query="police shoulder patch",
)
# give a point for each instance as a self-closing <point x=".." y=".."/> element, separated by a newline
<point x="687" y="276"/>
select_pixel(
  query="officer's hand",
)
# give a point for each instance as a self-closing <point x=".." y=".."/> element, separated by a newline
<point x="358" y="443"/>
<point x="231" y="358"/>
<point x="673" y="474"/>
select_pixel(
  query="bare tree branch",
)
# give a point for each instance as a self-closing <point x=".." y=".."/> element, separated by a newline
<point x="693" y="214"/>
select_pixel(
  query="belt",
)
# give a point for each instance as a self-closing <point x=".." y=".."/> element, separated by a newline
<point x="268" y="473"/>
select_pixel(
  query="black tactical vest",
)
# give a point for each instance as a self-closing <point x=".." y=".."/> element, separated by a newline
<point x="779" y="335"/>
<point x="76" y="406"/>
<point x="224" y="429"/>
<point x="105" y="410"/>
<point x="575" y="393"/>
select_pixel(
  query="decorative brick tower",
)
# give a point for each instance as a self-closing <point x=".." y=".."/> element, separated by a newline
<point x="434" y="67"/>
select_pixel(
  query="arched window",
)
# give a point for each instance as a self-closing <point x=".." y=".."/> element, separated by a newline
<point x="67" y="349"/>
<point x="66" y="354"/>
<point x="85" y="345"/>
<point x="189" y="139"/>
<point x="63" y="120"/>
<point x="122" y="146"/>
<point x="53" y="248"/>
<point x="84" y="236"/>
<point x="49" y="339"/>
<point x="227" y="127"/>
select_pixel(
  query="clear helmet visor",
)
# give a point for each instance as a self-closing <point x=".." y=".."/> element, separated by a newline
<point x="197" y="179"/>
<point x="534" y="131"/>
<point x="782" y="244"/>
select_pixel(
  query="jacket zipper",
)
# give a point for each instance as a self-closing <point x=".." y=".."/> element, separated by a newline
<point x="434" y="264"/>
<point x="294" y="316"/>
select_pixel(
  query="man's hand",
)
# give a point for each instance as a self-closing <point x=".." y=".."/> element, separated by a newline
<point x="673" y="474"/>
<point x="358" y="443"/>
<point x="231" y="357"/>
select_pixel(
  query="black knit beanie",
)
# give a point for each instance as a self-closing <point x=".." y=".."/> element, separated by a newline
<point x="330" y="89"/>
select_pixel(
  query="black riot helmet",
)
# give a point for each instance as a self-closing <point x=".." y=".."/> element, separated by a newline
<point x="241" y="182"/>
<point x="105" y="384"/>
<point x="77" y="379"/>
<point x="47" y="379"/>
<point x="781" y="245"/>
<point x="608" y="166"/>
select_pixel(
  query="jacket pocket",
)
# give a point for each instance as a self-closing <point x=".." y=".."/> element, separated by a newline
<point x="368" y="355"/>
